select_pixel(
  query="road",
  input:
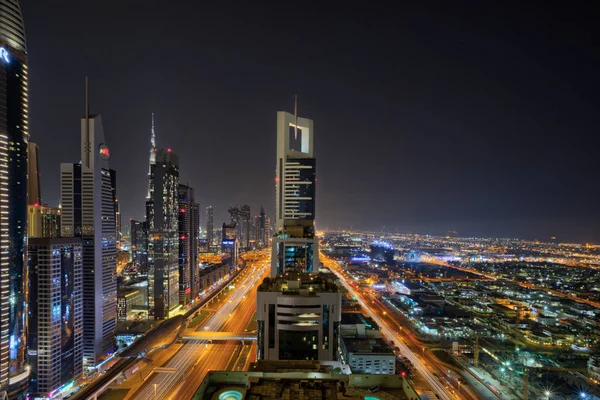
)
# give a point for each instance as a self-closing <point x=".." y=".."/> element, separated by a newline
<point x="373" y="308"/>
<point x="196" y="358"/>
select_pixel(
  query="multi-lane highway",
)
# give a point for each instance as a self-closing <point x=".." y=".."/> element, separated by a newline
<point x="392" y="333"/>
<point x="195" y="358"/>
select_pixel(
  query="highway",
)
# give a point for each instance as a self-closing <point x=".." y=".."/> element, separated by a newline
<point x="391" y="332"/>
<point x="195" y="358"/>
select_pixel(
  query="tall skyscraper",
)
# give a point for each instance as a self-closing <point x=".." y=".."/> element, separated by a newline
<point x="230" y="243"/>
<point x="117" y="208"/>
<point x="55" y="333"/>
<point x="189" y="221"/>
<point x="296" y="288"/>
<point x="261" y="232"/>
<point x="210" y="227"/>
<point x="162" y="216"/>
<point x="295" y="247"/>
<point x="34" y="192"/>
<point x="139" y="245"/>
<point x="241" y="217"/>
<point x="88" y="212"/>
<point x="14" y="137"/>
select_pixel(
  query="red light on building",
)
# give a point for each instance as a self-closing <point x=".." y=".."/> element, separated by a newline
<point x="188" y="290"/>
<point x="182" y="210"/>
<point x="105" y="152"/>
<point x="169" y="149"/>
<point x="182" y="237"/>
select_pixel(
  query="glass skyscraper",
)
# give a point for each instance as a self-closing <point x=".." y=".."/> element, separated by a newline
<point x="14" y="138"/>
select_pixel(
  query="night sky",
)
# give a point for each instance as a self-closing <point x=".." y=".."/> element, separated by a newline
<point x="467" y="117"/>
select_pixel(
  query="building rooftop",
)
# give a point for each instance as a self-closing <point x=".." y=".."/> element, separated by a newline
<point x="302" y="386"/>
<point x="299" y="284"/>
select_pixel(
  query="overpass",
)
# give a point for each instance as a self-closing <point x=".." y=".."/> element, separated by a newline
<point x="240" y="336"/>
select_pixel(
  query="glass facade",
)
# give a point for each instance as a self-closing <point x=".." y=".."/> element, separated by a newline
<point x="13" y="204"/>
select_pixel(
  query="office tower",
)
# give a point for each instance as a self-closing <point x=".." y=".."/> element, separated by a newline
<point x="261" y="225"/>
<point x="241" y="217"/>
<point x="189" y="221"/>
<point x="117" y="209"/>
<point x="88" y="212"/>
<point x="43" y="221"/>
<point x="55" y="333"/>
<point x="139" y="245"/>
<point x="268" y="232"/>
<point x="34" y="192"/>
<point x="229" y="243"/>
<point x="14" y="136"/>
<point x="210" y="227"/>
<point x="296" y="291"/>
<point x="152" y="158"/>
<point x="162" y="216"/>
<point x="295" y="247"/>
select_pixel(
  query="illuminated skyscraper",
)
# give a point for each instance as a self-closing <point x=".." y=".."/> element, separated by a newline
<point x="295" y="247"/>
<point x="88" y="211"/>
<point x="210" y="227"/>
<point x="55" y="334"/>
<point x="189" y="221"/>
<point x="34" y="192"/>
<point x="162" y="216"/>
<point x="14" y="137"/>
<point x="139" y="245"/>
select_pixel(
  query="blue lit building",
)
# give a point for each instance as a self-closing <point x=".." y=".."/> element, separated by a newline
<point x="14" y="137"/>
<point x="55" y="333"/>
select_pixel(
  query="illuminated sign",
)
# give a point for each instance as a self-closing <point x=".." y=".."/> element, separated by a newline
<point x="227" y="242"/>
<point x="103" y="151"/>
<point x="4" y="54"/>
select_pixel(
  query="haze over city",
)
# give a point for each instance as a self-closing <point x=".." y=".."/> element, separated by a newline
<point x="470" y="117"/>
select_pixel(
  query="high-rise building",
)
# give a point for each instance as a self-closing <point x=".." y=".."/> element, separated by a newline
<point x="139" y="245"/>
<point x="55" y="333"/>
<point x="298" y="309"/>
<point x="88" y="212"/>
<point x="241" y="217"/>
<point x="295" y="247"/>
<point x="210" y="228"/>
<point x="14" y="137"/>
<point x="229" y="243"/>
<point x="268" y="232"/>
<point x="162" y="216"/>
<point x="261" y="234"/>
<point x="34" y="191"/>
<point x="189" y="221"/>
<point x="43" y="221"/>
<point x="117" y="208"/>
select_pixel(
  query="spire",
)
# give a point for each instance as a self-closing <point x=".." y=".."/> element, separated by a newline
<point x="153" y="137"/>
<point x="152" y="159"/>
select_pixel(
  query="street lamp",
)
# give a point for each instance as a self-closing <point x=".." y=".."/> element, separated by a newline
<point x="547" y="394"/>
<point x="155" y="385"/>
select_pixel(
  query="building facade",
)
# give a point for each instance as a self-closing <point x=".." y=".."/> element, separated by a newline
<point x="14" y="137"/>
<point x="294" y="247"/>
<point x="229" y="243"/>
<point x="88" y="212"/>
<point x="139" y="245"/>
<point x="189" y="225"/>
<point x="210" y="228"/>
<point x="163" y="236"/>
<point x="34" y="191"/>
<point x="298" y="318"/>
<point x="43" y="221"/>
<point x="55" y="334"/>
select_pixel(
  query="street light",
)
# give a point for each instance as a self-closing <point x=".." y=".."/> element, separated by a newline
<point x="155" y="385"/>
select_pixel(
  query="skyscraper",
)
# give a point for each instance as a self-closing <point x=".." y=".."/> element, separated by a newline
<point x="296" y="289"/>
<point x="117" y="208"/>
<point x="139" y="245"/>
<point x="261" y="232"/>
<point x="210" y="227"/>
<point x="189" y="221"/>
<point x="241" y="217"/>
<point x="43" y="221"/>
<point x="14" y="137"/>
<point x="55" y="333"/>
<point x="34" y="192"/>
<point x="295" y="247"/>
<point x="88" y="212"/>
<point x="162" y="216"/>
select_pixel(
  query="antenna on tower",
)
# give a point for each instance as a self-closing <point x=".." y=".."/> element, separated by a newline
<point x="296" y="115"/>
<point x="153" y="139"/>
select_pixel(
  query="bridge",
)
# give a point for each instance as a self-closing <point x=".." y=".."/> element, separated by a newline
<point x="241" y="336"/>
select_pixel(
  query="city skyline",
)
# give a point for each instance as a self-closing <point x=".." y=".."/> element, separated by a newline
<point x="461" y="110"/>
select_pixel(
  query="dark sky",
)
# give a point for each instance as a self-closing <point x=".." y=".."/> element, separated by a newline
<point x="471" y="117"/>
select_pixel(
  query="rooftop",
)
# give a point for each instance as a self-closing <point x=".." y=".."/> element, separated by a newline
<point x="299" y="284"/>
